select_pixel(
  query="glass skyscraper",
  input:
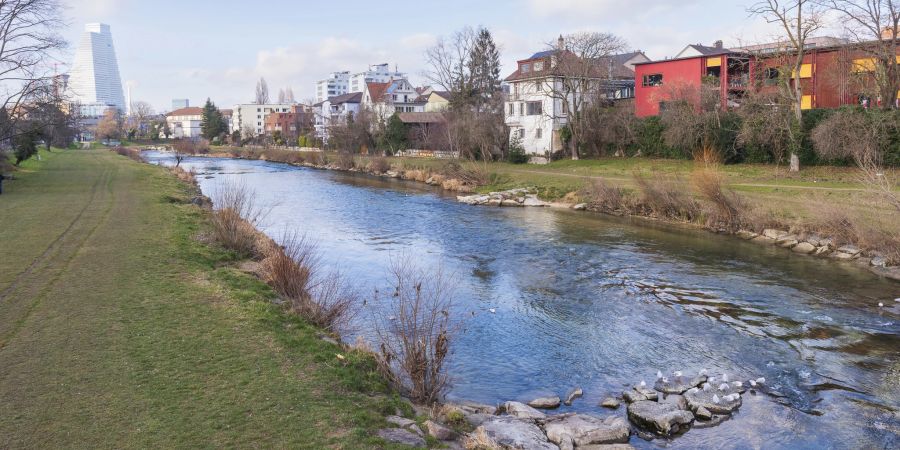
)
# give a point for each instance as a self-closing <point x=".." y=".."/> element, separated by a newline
<point x="94" y="80"/>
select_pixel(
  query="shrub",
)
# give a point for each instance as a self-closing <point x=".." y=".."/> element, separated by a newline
<point x="727" y="206"/>
<point x="471" y="174"/>
<point x="235" y="218"/>
<point x="516" y="153"/>
<point x="415" y="331"/>
<point x="345" y="161"/>
<point x="379" y="165"/>
<point x="601" y="196"/>
<point x="666" y="199"/>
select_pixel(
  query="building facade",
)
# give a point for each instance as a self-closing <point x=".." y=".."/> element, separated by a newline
<point x="178" y="103"/>
<point x="337" y="83"/>
<point x="396" y="96"/>
<point x="379" y="73"/>
<point x="94" y="81"/>
<point x="335" y="111"/>
<point x="291" y="125"/>
<point x="185" y="122"/>
<point x="251" y="118"/>
<point x="534" y="107"/>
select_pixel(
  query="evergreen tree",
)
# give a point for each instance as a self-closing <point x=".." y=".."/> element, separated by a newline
<point x="484" y="66"/>
<point x="212" y="124"/>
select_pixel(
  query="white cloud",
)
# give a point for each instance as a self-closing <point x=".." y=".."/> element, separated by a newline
<point x="613" y="10"/>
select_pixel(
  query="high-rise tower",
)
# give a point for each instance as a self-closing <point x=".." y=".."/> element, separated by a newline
<point x="94" y="80"/>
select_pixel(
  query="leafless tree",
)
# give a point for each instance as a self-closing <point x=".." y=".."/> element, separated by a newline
<point x="281" y="96"/>
<point x="141" y="113"/>
<point x="289" y="95"/>
<point x="110" y="125"/>
<point x="29" y="43"/>
<point x="448" y="61"/>
<point x="874" y="25"/>
<point x="262" y="92"/>
<point x="579" y="70"/>
<point x="798" y="20"/>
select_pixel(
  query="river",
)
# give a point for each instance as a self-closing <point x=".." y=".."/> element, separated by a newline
<point x="584" y="300"/>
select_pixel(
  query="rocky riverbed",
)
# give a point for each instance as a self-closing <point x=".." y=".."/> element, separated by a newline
<point x="671" y="407"/>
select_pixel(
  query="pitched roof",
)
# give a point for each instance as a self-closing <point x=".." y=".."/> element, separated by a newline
<point x="189" y="111"/>
<point x="377" y="90"/>
<point x="569" y="61"/>
<point x="421" y="117"/>
<point x="442" y="94"/>
<point x="353" y="97"/>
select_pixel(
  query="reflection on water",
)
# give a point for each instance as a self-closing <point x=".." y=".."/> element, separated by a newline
<point x="599" y="302"/>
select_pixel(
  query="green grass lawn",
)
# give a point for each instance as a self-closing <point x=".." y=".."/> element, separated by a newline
<point x="119" y="328"/>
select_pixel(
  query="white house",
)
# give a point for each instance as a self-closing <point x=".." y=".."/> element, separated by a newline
<point x="379" y="73"/>
<point x="384" y="99"/>
<point x="337" y="83"/>
<point x="185" y="122"/>
<point x="253" y="117"/>
<point x="334" y="111"/>
<point x="534" y="108"/>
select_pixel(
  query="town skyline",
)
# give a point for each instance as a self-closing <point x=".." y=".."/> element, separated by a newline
<point x="207" y="60"/>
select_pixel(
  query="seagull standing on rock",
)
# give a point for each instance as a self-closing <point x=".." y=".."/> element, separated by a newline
<point x="643" y="383"/>
<point x="703" y="372"/>
<point x="723" y="387"/>
<point x="677" y="373"/>
<point x="715" y="399"/>
<point x="761" y="380"/>
<point x="659" y="375"/>
<point x="752" y="383"/>
<point x="725" y="377"/>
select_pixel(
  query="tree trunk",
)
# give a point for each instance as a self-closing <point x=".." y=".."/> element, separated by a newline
<point x="795" y="162"/>
<point x="573" y="143"/>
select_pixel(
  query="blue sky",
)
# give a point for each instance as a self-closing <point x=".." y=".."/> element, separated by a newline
<point x="197" y="49"/>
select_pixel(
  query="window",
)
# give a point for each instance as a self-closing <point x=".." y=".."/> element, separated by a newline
<point x="521" y="132"/>
<point x="512" y="109"/>
<point x="538" y="66"/>
<point x="521" y="109"/>
<point x="806" y="71"/>
<point x="539" y="86"/>
<point x="537" y="133"/>
<point x="534" y="108"/>
<point x="525" y="68"/>
<point x="655" y="79"/>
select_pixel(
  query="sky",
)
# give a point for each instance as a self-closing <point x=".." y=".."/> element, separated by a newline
<point x="199" y="49"/>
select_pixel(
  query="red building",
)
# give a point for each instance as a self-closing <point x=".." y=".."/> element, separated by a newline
<point x="290" y="124"/>
<point x="833" y="74"/>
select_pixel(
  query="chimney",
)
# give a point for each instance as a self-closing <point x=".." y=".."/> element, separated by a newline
<point x="718" y="44"/>
<point x="561" y="43"/>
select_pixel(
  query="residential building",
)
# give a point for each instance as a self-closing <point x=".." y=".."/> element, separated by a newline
<point x="251" y="117"/>
<point x="437" y="101"/>
<point x="334" y="111"/>
<point x="185" y="122"/>
<point x="178" y="103"/>
<point x="534" y="110"/>
<point x="94" y="80"/>
<point x="337" y="83"/>
<point x="396" y="96"/>
<point x="833" y="73"/>
<point x="291" y="124"/>
<point x="379" y="73"/>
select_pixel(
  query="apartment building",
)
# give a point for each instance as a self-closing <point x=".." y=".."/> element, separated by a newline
<point x="379" y="73"/>
<point x="334" y="111"/>
<point x="251" y="117"/>
<point x="185" y="122"/>
<point x="337" y="83"/>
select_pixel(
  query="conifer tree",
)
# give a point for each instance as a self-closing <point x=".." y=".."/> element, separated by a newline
<point x="212" y="124"/>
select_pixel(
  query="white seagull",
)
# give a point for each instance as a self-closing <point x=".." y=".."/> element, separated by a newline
<point x="723" y="387"/>
<point x="658" y="374"/>
<point x="761" y="380"/>
<point x="677" y="373"/>
<point x="715" y="399"/>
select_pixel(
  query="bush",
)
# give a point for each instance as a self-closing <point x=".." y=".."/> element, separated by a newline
<point x="235" y="218"/>
<point x="379" y="165"/>
<point x="727" y="206"/>
<point x="345" y="161"/>
<point x="600" y="196"/>
<point x="649" y="139"/>
<point x="516" y="153"/>
<point x="666" y="199"/>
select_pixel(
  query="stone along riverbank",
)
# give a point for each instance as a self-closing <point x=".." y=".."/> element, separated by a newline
<point x="555" y="299"/>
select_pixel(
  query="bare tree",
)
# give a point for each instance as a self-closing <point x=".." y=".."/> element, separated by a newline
<point x="110" y="125"/>
<point x="28" y="42"/>
<point x="579" y="70"/>
<point x="874" y="25"/>
<point x="141" y="113"/>
<point x="289" y="95"/>
<point x="449" y="62"/>
<point x="262" y="92"/>
<point x="281" y="96"/>
<point x="798" y="21"/>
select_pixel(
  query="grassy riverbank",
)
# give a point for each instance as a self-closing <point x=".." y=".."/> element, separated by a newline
<point x="119" y="328"/>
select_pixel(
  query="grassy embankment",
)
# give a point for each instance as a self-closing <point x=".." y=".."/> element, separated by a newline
<point x="119" y="328"/>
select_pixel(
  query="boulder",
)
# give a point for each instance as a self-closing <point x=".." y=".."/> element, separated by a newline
<point x="700" y="398"/>
<point x="439" y="431"/>
<point x="545" y="402"/>
<point x="677" y="385"/>
<point x="661" y="418"/>
<point x="512" y="433"/>
<point x="632" y="396"/>
<point x="843" y="255"/>
<point x="400" y="421"/>
<point x="804" y="247"/>
<point x="788" y="241"/>
<point x="477" y="419"/>
<point x="584" y="430"/>
<point x="401" y="436"/>
<point x="607" y="447"/>
<point x="763" y="240"/>
<point x="533" y="201"/>
<point x="879" y="261"/>
<point x="774" y="234"/>
<point x="822" y="250"/>
<point x="849" y="249"/>
<point x="646" y="392"/>
<point x="610" y="402"/>
<point x="572" y="395"/>
<point x="745" y="234"/>
<point x="675" y="399"/>
<point x="703" y="413"/>
<point x="522" y="411"/>
<point x="580" y="207"/>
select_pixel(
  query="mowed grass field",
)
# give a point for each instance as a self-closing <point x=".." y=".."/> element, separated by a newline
<point x="120" y="328"/>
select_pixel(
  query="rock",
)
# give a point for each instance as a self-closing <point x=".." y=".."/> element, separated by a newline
<point x="816" y="241"/>
<point x="494" y="202"/>
<point x="843" y="255"/>
<point x="572" y="395"/>
<point x="701" y="398"/>
<point x="512" y="433"/>
<point x="677" y="385"/>
<point x="712" y="421"/>
<point x="401" y="436"/>
<point x="477" y="408"/>
<point x="774" y="234"/>
<point x="822" y="251"/>
<point x="879" y="261"/>
<point x="661" y="418"/>
<point x="763" y="240"/>
<point x="788" y="241"/>
<point x="522" y="411"/>
<point x="392" y="174"/>
<point x="400" y="421"/>
<point x="646" y="392"/>
<point x="744" y="234"/>
<point x="632" y="396"/>
<point x="439" y="431"/>
<point x="804" y="247"/>
<point x="703" y="413"/>
<point x="545" y="402"/>
<point x="610" y="402"/>
<point x="477" y="419"/>
<point x="584" y="430"/>
<point x="606" y="447"/>
<point x="675" y="399"/>
<point x="533" y="201"/>
<point x="826" y="242"/>
<point x="849" y="249"/>
<point x="580" y="207"/>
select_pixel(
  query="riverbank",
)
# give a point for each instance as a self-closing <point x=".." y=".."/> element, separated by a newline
<point x="823" y="211"/>
<point x="122" y="327"/>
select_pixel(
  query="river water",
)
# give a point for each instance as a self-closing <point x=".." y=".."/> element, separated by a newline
<point x="584" y="300"/>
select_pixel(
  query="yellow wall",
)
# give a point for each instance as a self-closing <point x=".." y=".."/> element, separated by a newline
<point x="714" y="62"/>
<point x="436" y="103"/>
<point x="806" y="71"/>
<point x="806" y="102"/>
